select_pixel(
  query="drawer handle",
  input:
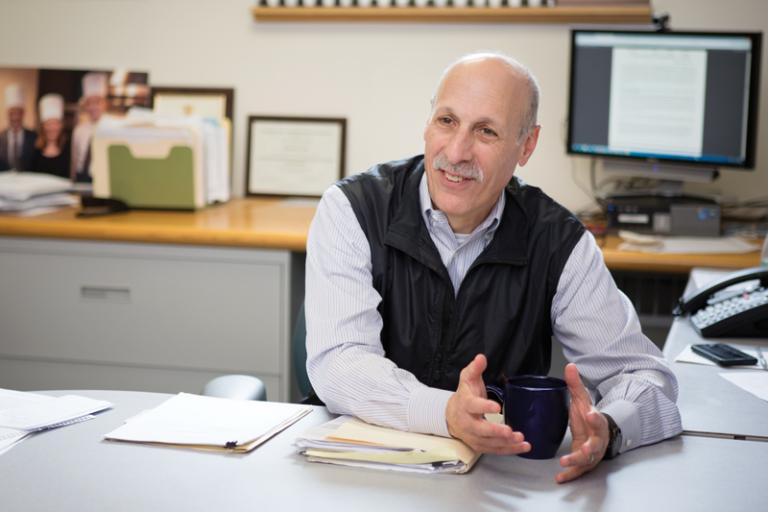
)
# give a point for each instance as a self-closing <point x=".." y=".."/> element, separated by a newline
<point x="105" y="293"/>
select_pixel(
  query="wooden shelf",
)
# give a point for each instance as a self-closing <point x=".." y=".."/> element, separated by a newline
<point x="616" y="14"/>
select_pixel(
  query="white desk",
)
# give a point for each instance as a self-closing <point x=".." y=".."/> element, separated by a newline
<point x="73" y="469"/>
<point x="707" y="402"/>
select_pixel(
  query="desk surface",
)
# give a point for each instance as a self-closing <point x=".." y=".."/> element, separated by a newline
<point x="672" y="263"/>
<point x="708" y="402"/>
<point x="283" y="224"/>
<point x="73" y="469"/>
<point x="265" y="223"/>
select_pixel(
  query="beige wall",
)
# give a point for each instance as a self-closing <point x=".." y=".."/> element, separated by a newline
<point x="378" y="75"/>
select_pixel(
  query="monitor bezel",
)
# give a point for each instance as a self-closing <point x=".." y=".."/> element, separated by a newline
<point x="752" y="112"/>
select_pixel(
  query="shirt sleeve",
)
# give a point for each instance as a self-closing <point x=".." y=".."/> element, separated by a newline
<point x="345" y="358"/>
<point x="600" y="332"/>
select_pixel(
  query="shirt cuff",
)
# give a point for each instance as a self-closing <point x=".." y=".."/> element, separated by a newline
<point x="426" y="411"/>
<point x="627" y="418"/>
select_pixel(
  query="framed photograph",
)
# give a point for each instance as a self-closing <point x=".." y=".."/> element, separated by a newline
<point x="197" y="101"/>
<point x="294" y="156"/>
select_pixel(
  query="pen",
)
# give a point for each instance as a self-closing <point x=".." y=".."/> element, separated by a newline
<point x="761" y="358"/>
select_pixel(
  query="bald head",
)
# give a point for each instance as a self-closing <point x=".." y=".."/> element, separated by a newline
<point x="502" y="69"/>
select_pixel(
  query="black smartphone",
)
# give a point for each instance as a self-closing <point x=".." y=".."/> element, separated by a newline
<point x="724" y="355"/>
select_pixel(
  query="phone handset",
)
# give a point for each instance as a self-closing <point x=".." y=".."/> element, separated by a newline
<point x="698" y="299"/>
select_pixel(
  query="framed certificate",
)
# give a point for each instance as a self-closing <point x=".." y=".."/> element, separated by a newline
<point x="294" y="156"/>
<point x="205" y="102"/>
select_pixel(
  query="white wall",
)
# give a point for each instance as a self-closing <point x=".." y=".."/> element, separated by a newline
<point x="379" y="76"/>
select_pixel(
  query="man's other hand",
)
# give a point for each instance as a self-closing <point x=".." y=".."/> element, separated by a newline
<point x="465" y="415"/>
<point x="589" y="429"/>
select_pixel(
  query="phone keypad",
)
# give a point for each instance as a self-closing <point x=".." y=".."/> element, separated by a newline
<point x="719" y="311"/>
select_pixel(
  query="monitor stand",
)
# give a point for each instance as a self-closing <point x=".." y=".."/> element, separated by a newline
<point x="658" y="179"/>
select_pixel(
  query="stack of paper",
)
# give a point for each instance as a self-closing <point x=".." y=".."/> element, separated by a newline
<point x="24" y="413"/>
<point x="208" y="423"/>
<point x="350" y="442"/>
<point x="24" y="192"/>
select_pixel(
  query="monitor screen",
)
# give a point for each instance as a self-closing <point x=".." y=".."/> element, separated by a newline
<point x="679" y="97"/>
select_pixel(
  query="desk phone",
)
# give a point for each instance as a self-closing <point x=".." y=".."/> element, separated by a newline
<point x="718" y="311"/>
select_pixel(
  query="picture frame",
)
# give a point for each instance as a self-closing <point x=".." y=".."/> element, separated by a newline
<point x="204" y="101"/>
<point x="294" y="156"/>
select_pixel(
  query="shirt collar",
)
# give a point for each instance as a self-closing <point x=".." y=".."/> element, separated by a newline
<point x="490" y="223"/>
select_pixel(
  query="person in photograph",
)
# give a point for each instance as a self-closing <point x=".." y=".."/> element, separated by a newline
<point x="52" y="150"/>
<point x="16" y="142"/>
<point x="93" y="103"/>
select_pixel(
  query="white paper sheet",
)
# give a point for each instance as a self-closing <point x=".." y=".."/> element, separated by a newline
<point x="691" y="245"/>
<point x="56" y="412"/>
<point x="753" y="382"/>
<point x="13" y="400"/>
<point x="21" y="186"/>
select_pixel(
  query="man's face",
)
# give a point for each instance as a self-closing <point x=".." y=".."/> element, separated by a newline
<point x="15" y="116"/>
<point x="94" y="106"/>
<point x="471" y="138"/>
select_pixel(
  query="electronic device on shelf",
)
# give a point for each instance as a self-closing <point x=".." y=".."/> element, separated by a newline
<point x="721" y="309"/>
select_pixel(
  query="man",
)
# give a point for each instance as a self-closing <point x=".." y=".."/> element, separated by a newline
<point x="94" y="103"/>
<point x="16" y="142"/>
<point x="428" y="277"/>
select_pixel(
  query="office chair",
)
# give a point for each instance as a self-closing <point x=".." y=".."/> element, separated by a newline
<point x="238" y="387"/>
<point x="248" y="387"/>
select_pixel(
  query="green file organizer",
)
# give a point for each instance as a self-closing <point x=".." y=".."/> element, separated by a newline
<point x="165" y="183"/>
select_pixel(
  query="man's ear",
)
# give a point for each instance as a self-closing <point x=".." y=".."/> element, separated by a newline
<point x="529" y="144"/>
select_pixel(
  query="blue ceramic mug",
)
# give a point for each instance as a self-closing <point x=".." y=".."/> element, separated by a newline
<point x="537" y="406"/>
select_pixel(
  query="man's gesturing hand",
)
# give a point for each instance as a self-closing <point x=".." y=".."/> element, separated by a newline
<point x="465" y="415"/>
<point x="589" y="430"/>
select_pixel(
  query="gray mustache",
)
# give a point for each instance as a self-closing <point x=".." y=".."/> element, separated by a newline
<point x="465" y="170"/>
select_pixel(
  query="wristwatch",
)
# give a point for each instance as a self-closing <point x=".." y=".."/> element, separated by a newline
<point x="615" y="439"/>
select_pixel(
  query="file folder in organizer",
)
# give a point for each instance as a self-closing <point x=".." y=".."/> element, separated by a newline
<point x="154" y="182"/>
<point x="149" y="166"/>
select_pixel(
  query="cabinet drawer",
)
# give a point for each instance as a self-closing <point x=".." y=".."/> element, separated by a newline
<point x="145" y="305"/>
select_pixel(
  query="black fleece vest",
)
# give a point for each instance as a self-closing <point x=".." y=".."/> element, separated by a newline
<point x="503" y="305"/>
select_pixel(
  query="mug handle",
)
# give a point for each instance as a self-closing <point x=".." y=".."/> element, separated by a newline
<point x="496" y="394"/>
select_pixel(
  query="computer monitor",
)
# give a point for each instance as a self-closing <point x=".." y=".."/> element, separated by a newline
<point x="665" y="98"/>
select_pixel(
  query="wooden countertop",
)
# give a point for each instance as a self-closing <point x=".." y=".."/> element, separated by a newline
<point x="284" y="224"/>
<point x="672" y="263"/>
<point x="262" y="223"/>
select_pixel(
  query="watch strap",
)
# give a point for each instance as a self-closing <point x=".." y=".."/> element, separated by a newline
<point x="615" y="439"/>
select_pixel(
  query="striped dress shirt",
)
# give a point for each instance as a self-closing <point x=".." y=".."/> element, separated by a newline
<point x="594" y="322"/>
